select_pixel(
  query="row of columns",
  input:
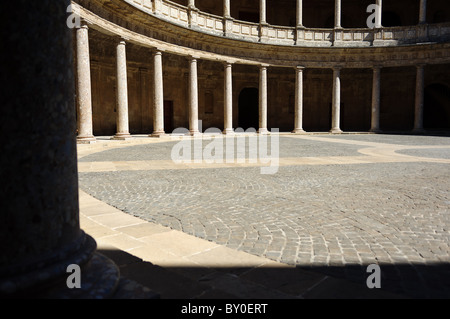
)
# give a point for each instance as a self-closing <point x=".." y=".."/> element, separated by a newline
<point x="299" y="12"/>
<point x="85" y="127"/>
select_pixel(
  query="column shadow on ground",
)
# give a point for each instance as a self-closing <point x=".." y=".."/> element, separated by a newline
<point x="349" y="282"/>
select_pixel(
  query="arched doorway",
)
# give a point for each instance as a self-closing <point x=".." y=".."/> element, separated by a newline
<point x="249" y="108"/>
<point x="437" y="107"/>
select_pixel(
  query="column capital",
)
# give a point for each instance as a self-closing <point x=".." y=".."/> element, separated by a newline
<point x="121" y="40"/>
<point x="300" y="67"/>
<point x="84" y="24"/>
<point x="263" y="66"/>
<point x="193" y="57"/>
<point x="157" y="51"/>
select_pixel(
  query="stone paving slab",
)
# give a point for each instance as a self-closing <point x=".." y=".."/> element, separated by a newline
<point x="177" y="265"/>
<point x="315" y="214"/>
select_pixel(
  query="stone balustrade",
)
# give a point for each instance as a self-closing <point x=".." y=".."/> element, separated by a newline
<point x="283" y="35"/>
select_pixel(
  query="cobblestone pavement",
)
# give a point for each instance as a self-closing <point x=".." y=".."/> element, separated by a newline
<point x="335" y="218"/>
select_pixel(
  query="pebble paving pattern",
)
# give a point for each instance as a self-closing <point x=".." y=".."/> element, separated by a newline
<point x="331" y="218"/>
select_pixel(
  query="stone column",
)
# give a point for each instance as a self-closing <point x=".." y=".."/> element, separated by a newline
<point x="40" y="233"/>
<point x="336" y="107"/>
<point x="122" y="93"/>
<point x="423" y="12"/>
<point x="158" y="96"/>
<point x="376" y="84"/>
<point x="299" y="13"/>
<point x="228" y="99"/>
<point x="378" y="18"/>
<point x="226" y="9"/>
<point x="84" y="95"/>
<point x="418" y="112"/>
<point x="262" y="12"/>
<point x="337" y="14"/>
<point x="263" y="100"/>
<point x="191" y="3"/>
<point x="193" y="97"/>
<point x="227" y="19"/>
<point x="299" y="100"/>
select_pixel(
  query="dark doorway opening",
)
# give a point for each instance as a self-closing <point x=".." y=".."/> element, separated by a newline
<point x="249" y="108"/>
<point x="390" y="19"/>
<point x="168" y="116"/>
<point x="249" y="16"/>
<point x="437" y="107"/>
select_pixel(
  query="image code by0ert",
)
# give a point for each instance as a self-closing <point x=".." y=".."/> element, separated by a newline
<point x="245" y="308"/>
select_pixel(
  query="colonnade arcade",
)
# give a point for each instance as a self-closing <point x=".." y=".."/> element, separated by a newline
<point x="84" y="94"/>
<point x="263" y="7"/>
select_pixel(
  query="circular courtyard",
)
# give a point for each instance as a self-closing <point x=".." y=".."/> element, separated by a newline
<point x="335" y="204"/>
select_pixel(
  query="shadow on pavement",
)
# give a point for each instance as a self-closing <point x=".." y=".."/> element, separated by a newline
<point x="397" y="282"/>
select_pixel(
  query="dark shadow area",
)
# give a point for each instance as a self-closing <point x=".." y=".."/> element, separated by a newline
<point x="309" y="282"/>
<point x="390" y="19"/>
<point x="249" y="108"/>
<point x="437" y="107"/>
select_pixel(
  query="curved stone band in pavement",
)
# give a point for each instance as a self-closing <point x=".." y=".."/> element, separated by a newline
<point x="321" y="210"/>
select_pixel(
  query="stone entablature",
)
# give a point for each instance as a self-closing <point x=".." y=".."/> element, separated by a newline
<point x="147" y="30"/>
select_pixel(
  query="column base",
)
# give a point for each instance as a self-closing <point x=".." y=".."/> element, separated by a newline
<point x="195" y="133"/>
<point x="122" y="137"/>
<point x="100" y="278"/>
<point x="86" y="139"/>
<point x="263" y="131"/>
<point x="375" y="130"/>
<point x="40" y="276"/>
<point x="158" y="134"/>
<point x="298" y="131"/>
<point x="336" y="131"/>
<point x="228" y="131"/>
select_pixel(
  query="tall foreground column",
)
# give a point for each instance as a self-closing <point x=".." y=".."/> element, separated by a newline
<point x="158" y="96"/>
<point x="84" y="95"/>
<point x="418" y="114"/>
<point x="376" y="83"/>
<point x="40" y="232"/>
<point x="262" y="99"/>
<point x="336" y="106"/>
<point x="299" y="100"/>
<point x="228" y="94"/>
<point x="193" y="97"/>
<point x="122" y="93"/>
